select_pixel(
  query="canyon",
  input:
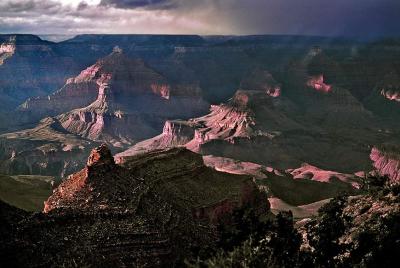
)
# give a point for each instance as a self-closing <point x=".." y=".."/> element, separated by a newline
<point x="304" y="114"/>
<point x="124" y="150"/>
<point x="167" y="150"/>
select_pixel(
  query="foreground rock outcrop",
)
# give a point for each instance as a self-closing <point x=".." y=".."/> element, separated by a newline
<point x="356" y="231"/>
<point x="151" y="211"/>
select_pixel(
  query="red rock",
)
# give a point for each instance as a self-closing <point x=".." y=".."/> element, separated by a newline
<point x="317" y="83"/>
<point x="387" y="162"/>
<point x="117" y="86"/>
<point x="7" y="49"/>
<point x="100" y="156"/>
<point x="261" y="80"/>
<point x="390" y="87"/>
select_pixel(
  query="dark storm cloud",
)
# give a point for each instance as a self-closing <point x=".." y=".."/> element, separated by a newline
<point x="365" y="18"/>
<point x="315" y="17"/>
<point x="17" y="6"/>
<point x="150" y="4"/>
<point x="319" y="17"/>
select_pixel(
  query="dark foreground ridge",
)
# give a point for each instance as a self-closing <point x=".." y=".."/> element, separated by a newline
<point x="150" y="210"/>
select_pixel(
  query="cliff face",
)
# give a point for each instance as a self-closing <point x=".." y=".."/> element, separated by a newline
<point x="70" y="96"/>
<point x="391" y="94"/>
<point x="118" y="100"/>
<point x="317" y="83"/>
<point x="7" y="49"/>
<point x="126" y="78"/>
<point x="389" y="87"/>
<point x="150" y="211"/>
<point x="279" y="131"/>
<point x="387" y="162"/>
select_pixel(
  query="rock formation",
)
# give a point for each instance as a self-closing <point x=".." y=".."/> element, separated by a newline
<point x="32" y="67"/>
<point x="7" y="49"/>
<point x="118" y="100"/>
<point x="151" y="211"/>
<point x="317" y="83"/>
<point x="302" y="190"/>
<point x="390" y="87"/>
<point x="254" y="126"/>
<point x="261" y="80"/>
<point x="386" y="160"/>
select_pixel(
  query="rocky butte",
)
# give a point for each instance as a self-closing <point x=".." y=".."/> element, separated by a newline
<point x="149" y="211"/>
<point x="118" y="100"/>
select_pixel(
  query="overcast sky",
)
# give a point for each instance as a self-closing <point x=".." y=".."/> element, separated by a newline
<point x="361" y="18"/>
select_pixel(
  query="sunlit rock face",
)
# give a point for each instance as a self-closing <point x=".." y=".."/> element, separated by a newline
<point x="161" y="90"/>
<point x="119" y="100"/>
<point x="7" y="49"/>
<point x="310" y="172"/>
<point x="303" y="190"/>
<point x="390" y="87"/>
<point x="384" y="100"/>
<point x="125" y="76"/>
<point x="261" y="80"/>
<point x="224" y="122"/>
<point x="169" y="200"/>
<point x="386" y="161"/>
<point x="392" y="95"/>
<point x="317" y="83"/>
<point x="181" y="131"/>
<point x="282" y="132"/>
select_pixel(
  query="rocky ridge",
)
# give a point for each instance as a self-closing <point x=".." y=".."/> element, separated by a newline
<point x="118" y="100"/>
<point x="46" y="149"/>
<point x="148" y="211"/>
<point x="386" y="161"/>
<point x="123" y="101"/>
<point x="254" y="126"/>
<point x="302" y="190"/>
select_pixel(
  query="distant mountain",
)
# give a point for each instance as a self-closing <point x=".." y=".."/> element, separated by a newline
<point x="118" y="86"/>
<point x="118" y="100"/>
<point x="310" y="89"/>
<point x="35" y="67"/>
